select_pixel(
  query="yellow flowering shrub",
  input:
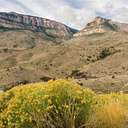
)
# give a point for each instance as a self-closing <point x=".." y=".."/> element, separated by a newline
<point x="42" y="105"/>
<point x="60" y="104"/>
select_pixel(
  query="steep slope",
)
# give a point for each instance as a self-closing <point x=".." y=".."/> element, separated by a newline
<point x="51" y="28"/>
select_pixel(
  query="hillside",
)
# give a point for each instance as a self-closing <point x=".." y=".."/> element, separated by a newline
<point x="15" y="21"/>
<point x="97" y="59"/>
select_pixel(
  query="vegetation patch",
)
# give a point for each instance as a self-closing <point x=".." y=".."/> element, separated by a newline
<point x="61" y="104"/>
<point x="106" y="52"/>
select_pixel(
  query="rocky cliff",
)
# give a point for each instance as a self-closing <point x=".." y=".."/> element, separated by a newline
<point x="51" y="28"/>
<point x="101" y="25"/>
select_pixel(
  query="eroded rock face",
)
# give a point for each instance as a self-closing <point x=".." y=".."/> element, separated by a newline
<point x="99" y="21"/>
<point x="102" y="25"/>
<point x="99" y="25"/>
<point x="51" y="28"/>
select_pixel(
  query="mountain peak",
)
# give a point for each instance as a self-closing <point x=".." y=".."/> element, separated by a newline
<point x="101" y="18"/>
<point x="97" y="22"/>
<point x="102" y="25"/>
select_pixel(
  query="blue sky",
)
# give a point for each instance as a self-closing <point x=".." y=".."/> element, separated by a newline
<point x="74" y="13"/>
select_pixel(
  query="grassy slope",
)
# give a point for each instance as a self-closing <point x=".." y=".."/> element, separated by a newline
<point x="38" y="56"/>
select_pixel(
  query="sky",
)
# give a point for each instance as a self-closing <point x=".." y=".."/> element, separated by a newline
<point x="74" y="13"/>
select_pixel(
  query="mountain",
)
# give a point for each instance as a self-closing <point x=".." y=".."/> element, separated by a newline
<point x="51" y="28"/>
<point x="101" y="25"/>
<point x="97" y="59"/>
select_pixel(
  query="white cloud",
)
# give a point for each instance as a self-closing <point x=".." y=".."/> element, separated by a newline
<point x="75" y="13"/>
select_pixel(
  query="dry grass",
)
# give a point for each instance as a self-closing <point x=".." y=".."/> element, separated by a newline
<point x="112" y="115"/>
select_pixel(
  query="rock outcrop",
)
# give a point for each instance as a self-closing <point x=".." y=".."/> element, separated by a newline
<point x="51" y="28"/>
<point x="101" y="25"/>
